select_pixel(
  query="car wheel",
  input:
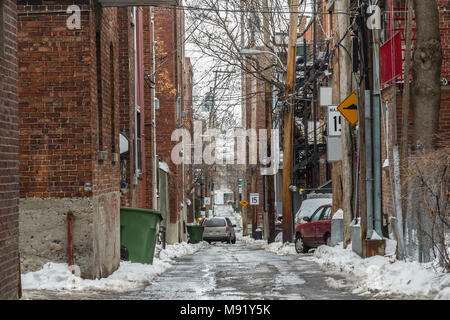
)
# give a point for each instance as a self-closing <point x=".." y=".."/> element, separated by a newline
<point x="328" y="240"/>
<point x="300" y="245"/>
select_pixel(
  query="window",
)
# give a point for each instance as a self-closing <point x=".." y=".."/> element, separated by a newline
<point x="214" y="223"/>
<point x="316" y="215"/>
<point x="99" y="91"/>
<point x="178" y="108"/>
<point x="326" y="214"/>
<point x="113" y="101"/>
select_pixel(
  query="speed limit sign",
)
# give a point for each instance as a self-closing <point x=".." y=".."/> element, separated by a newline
<point x="254" y="199"/>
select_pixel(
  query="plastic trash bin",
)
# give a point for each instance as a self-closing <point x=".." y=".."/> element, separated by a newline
<point x="258" y="235"/>
<point x="138" y="231"/>
<point x="195" y="233"/>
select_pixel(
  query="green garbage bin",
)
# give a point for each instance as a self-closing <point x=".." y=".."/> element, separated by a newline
<point x="138" y="231"/>
<point x="195" y="233"/>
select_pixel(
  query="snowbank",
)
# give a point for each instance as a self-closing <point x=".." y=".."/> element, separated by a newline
<point x="275" y="247"/>
<point x="129" y="276"/>
<point x="385" y="275"/>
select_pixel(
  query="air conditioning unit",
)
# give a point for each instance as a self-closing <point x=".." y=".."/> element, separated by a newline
<point x="102" y="155"/>
<point x="115" y="157"/>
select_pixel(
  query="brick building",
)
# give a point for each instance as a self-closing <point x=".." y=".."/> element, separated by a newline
<point x="133" y="107"/>
<point x="9" y="165"/>
<point x="169" y="34"/>
<point x="69" y="135"/>
<point x="392" y="99"/>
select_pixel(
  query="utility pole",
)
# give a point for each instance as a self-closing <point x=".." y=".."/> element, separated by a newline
<point x="314" y="101"/>
<point x="244" y="126"/>
<point x="345" y="71"/>
<point x="288" y="122"/>
<point x="269" y="214"/>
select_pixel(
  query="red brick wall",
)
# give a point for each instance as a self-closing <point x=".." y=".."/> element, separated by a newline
<point x="169" y="71"/>
<point x="394" y="113"/>
<point x="9" y="166"/>
<point x="59" y="98"/>
<point x="148" y="101"/>
<point x="105" y="173"/>
<point x="133" y="195"/>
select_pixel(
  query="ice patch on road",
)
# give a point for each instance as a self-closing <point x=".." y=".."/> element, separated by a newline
<point x="384" y="275"/>
<point x="129" y="276"/>
<point x="282" y="249"/>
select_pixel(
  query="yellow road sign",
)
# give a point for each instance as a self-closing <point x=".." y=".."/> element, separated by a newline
<point x="244" y="203"/>
<point x="349" y="109"/>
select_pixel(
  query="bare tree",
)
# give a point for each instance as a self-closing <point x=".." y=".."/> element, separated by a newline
<point x="219" y="34"/>
<point x="426" y="71"/>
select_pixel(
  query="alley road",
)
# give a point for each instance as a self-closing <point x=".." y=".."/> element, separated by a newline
<point x="231" y="271"/>
<point x="241" y="272"/>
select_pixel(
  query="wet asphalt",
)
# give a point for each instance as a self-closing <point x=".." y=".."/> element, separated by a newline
<point x="239" y="271"/>
<point x="232" y="272"/>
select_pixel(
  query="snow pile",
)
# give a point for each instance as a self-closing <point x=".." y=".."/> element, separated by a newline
<point x="383" y="275"/>
<point x="129" y="276"/>
<point x="275" y="247"/>
<point x="338" y="214"/>
<point x="179" y="249"/>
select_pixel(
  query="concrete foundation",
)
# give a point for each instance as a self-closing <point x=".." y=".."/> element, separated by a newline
<point x="43" y="233"/>
<point x="172" y="232"/>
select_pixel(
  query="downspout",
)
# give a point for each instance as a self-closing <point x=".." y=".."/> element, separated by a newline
<point x="155" y="165"/>
<point x="139" y="22"/>
<point x="369" y="178"/>
<point x="376" y="132"/>
<point x="70" y="261"/>
<point x="136" y="170"/>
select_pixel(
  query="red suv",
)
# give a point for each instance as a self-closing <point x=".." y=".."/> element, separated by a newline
<point x="314" y="231"/>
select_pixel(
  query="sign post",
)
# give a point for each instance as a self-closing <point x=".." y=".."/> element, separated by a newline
<point x="254" y="199"/>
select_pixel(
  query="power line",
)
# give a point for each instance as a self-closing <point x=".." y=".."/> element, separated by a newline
<point x="282" y="11"/>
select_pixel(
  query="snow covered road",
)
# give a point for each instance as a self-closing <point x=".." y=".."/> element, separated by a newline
<point x="242" y="271"/>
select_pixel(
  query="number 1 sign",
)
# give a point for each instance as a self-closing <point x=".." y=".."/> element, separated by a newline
<point x="334" y="122"/>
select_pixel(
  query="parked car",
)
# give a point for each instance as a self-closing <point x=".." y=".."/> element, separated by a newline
<point x="309" y="206"/>
<point x="219" y="229"/>
<point x="314" y="231"/>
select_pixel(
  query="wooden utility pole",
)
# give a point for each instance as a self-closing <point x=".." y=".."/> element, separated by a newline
<point x="288" y="122"/>
<point x="345" y="72"/>
<point x="406" y="99"/>
<point x="269" y="214"/>
<point x="244" y="126"/>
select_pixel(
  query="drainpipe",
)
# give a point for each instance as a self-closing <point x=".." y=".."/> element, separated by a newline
<point x="369" y="178"/>
<point x="376" y="132"/>
<point x="136" y="170"/>
<point x="155" y="165"/>
<point x="70" y="241"/>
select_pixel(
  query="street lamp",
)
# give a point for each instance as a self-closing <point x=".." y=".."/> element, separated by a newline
<point x="254" y="52"/>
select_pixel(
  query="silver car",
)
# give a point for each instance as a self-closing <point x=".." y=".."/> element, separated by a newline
<point x="219" y="229"/>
